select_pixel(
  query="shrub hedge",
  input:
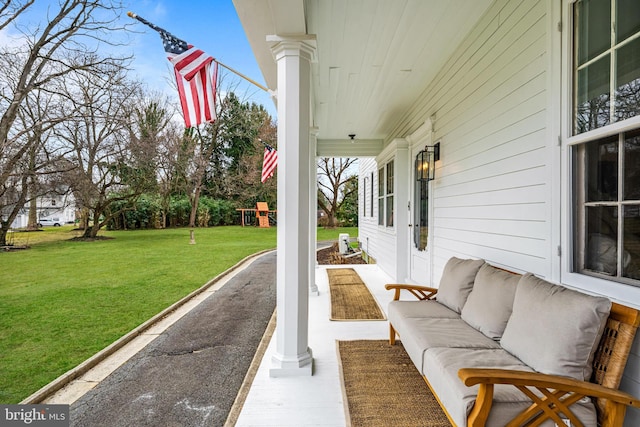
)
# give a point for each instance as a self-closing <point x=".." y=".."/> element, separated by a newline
<point x="146" y="212"/>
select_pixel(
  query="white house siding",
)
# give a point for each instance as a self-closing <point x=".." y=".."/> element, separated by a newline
<point x="378" y="241"/>
<point x="368" y="224"/>
<point x="491" y="195"/>
<point x="495" y="183"/>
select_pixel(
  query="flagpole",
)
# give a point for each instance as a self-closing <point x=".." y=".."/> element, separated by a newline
<point x="156" y="28"/>
<point x="265" y="144"/>
<point x="250" y="80"/>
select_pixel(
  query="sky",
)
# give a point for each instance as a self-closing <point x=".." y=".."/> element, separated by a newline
<point x="211" y="25"/>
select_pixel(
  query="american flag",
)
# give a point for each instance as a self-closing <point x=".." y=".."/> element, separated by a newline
<point x="269" y="162"/>
<point x="196" y="75"/>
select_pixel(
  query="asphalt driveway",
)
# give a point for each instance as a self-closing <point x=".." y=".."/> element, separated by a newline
<point x="189" y="375"/>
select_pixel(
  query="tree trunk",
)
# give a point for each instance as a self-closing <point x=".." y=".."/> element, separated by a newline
<point x="84" y="219"/>
<point x="92" y="231"/>
<point x="4" y="228"/>
<point x="194" y="205"/>
<point x="32" y="224"/>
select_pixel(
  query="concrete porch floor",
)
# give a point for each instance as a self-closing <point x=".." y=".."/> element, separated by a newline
<point x="314" y="400"/>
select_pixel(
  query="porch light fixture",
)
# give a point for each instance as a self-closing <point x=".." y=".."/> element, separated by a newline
<point x="352" y="135"/>
<point x="425" y="162"/>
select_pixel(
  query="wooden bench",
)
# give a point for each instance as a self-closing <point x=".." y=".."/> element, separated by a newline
<point x="553" y="395"/>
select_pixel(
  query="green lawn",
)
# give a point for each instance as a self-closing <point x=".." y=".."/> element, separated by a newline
<point x="62" y="301"/>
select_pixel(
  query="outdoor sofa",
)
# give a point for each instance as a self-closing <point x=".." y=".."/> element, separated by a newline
<point x="503" y="349"/>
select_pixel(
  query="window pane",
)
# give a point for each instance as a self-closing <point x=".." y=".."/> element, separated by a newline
<point x="593" y="34"/>
<point x="381" y="211"/>
<point x="602" y="238"/>
<point x="632" y="166"/>
<point x="601" y="161"/>
<point x="631" y="257"/>
<point x="593" y="97"/>
<point x="364" y="196"/>
<point x="389" y="211"/>
<point x="381" y="182"/>
<point x="371" y="194"/>
<point x="628" y="80"/>
<point x="420" y="217"/>
<point x="627" y="20"/>
<point x="390" y="177"/>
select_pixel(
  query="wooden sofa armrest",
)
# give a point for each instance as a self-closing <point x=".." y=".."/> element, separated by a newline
<point x="558" y="393"/>
<point x="420" y="292"/>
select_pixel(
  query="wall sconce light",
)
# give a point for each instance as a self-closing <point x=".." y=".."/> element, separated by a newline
<point x="425" y="162"/>
<point x="352" y="135"/>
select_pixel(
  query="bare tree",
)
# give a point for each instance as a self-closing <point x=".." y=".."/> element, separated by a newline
<point x="334" y="174"/>
<point x="41" y="56"/>
<point x="103" y="172"/>
<point x="28" y="161"/>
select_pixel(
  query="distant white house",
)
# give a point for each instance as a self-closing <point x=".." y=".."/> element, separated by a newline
<point x="56" y="208"/>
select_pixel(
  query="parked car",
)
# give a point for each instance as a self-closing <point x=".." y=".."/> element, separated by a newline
<point x="56" y="222"/>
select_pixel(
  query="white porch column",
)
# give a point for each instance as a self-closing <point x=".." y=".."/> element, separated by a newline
<point x="293" y="56"/>
<point x="313" y="209"/>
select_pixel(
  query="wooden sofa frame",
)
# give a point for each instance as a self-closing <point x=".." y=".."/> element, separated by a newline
<point x="558" y="393"/>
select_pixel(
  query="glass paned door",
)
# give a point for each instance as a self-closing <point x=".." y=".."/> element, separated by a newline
<point x="421" y="214"/>
<point x="419" y="267"/>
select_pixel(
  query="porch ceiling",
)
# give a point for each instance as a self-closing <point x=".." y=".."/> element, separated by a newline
<point x="374" y="58"/>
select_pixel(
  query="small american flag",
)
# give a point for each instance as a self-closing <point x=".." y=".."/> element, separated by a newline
<point x="269" y="162"/>
<point x="195" y="77"/>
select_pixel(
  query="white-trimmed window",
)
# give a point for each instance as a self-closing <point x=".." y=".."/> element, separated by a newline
<point x="606" y="163"/>
<point x="371" y="207"/>
<point x="364" y="196"/>
<point x="385" y="194"/>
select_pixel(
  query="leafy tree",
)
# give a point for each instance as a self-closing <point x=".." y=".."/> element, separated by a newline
<point x="348" y="212"/>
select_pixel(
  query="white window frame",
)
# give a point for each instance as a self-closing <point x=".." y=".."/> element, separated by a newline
<point x="385" y="194"/>
<point x="616" y="290"/>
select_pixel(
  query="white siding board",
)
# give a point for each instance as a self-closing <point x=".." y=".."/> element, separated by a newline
<point x="482" y="167"/>
<point x="492" y="226"/>
<point x="522" y="245"/>
<point x="501" y="72"/>
<point x="516" y="138"/>
<point x="522" y="103"/>
<point x="523" y="212"/>
<point x="509" y="94"/>
<point x="515" y="195"/>
<point x="514" y="261"/>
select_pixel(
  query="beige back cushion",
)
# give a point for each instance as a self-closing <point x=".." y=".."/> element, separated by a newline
<point x="553" y="329"/>
<point x="457" y="281"/>
<point x="490" y="302"/>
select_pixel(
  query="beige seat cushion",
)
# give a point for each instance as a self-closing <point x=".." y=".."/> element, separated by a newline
<point x="421" y="334"/>
<point x="441" y="367"/>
